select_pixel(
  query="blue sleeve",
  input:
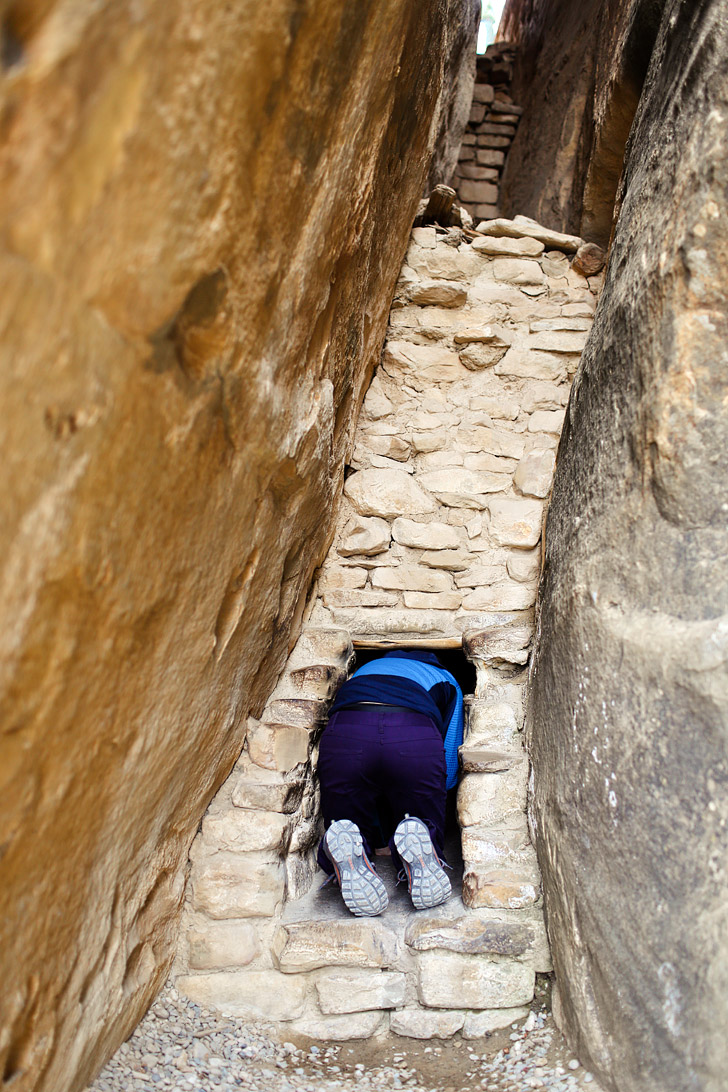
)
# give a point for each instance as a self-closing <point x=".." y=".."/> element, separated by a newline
<point x="453" y="740"/>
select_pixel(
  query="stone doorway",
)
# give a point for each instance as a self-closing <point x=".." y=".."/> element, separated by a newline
<point x="437" y="543"/>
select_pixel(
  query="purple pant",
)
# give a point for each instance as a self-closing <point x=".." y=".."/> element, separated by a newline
<point x="375" y="766"/>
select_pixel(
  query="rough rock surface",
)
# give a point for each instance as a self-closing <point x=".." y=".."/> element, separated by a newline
<point x="629" y="710"/>
<point x="197" y="259"/>
<point x="578" y="73"/>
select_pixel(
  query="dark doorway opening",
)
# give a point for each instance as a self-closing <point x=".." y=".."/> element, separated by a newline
<point x="452" y="659"/>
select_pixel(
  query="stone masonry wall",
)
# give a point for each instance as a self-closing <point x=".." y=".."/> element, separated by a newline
<point x="436" y="540"/>
<point x="488" y="135"/>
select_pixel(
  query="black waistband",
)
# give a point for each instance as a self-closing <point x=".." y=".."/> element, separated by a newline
<point x="374" y="706"/>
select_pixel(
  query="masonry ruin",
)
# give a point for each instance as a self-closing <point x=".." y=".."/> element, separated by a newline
<point x="256" y="423"/>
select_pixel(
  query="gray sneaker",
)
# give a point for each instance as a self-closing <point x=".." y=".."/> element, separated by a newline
<point x="361" y="888"/>
<point x="426" y="879"/>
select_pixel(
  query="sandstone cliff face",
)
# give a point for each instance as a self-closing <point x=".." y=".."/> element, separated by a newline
<point x="629" y="709"/>
<point x="579" y="71"/>
<point x="206" y="208"/>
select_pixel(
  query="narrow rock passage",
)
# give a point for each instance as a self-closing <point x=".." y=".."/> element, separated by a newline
<point x="183" y="1047"/>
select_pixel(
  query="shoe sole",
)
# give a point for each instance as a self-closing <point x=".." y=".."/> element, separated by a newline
<point x="361" y="888"/>
<point x="428" y="883"/>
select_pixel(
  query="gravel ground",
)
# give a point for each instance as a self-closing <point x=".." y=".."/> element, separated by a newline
<point x="182" y="1047"/>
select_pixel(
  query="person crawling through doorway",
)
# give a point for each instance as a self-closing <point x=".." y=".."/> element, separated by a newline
<point x="388" y="755"/>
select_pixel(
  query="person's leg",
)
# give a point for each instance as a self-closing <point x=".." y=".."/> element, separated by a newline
<point x="349" y="754"/>
<point x="413" y="775"/>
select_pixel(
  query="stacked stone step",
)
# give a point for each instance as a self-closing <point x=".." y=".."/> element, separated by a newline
<point x="488" y="135"/>
<point x="436" y="539"/>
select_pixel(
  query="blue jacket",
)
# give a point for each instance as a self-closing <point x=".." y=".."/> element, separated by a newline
<point x="417" y="681"/>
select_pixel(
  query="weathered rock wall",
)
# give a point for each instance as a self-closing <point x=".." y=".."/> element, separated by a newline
<point x="198" y="252"/>
<point x="578" y="74"/>
<point x="629" y="708"/>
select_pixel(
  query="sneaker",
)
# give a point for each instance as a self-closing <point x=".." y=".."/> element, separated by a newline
<point x="361" y="888"/>
<point x="427" y="882"/>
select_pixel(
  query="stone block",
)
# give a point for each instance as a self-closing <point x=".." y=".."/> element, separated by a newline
<point x="508" y="595"/>
<point x="483" y="92"/>
<point x="315" y="681"/>
<point x="263" y="789"/>
<point x="439" y="293"/>
<point x="486" y="333"/>
<point x="472" y="934"/>
<point x="493" y="441"/>
<point x="321" y="646"/>
<point x="432" y="600"/>
<point x="387" y="493"/>
<point x="484" y="760"/>
<point x="484" y="210"/>
<point x="541" y="395"/>
<point x="421" y="366"/>
<point x="238" y="885"/>
<point x="535" y="473"/>
<point x="502" y="408"/>
<point x="518" y="271"/>
<point x="559" y="341"/>
<point x="478" y="192"/>
<point x="425" y="536"/>
<point x="376" y="403"/>
<point x="359" y="1025"/>
<point x="479" y="1024"/>
<point x="482" y="460"/>
<point x="278" y="747"/>
<point x="214" y="945"/>
<point x="394" y="447"/>
<point x="494" y="725"/>
<point x="247" y="995"/>
<point x="478" y="575"/>
<point x="527" y="364"/>
<point x="360" y="990"/>
<point x="497" y="128"/>
<point x="501" y="845"/>
<point x="308" y="945"/>
<point x="412" y="578"/>
<point x="562" y="323"/>
<point x="450" y="979"/>
<point x="425" y="237"/>
<point x="493" y="798"/>
<point x="484" y="355"/>
<point x="495" y="246"/>
<point x="365" y="597"/>
<point x="463" y="488"/>
<point x="490" y="157"/>
<point x="515" y="522"/>
<point x="546" y="421"/>
<point x="524" y="565"/>
<point x="476" y="171"/>
<point x="489" y="140"/>
<point x="333" y="576"/>
<point x="477" y="113"/>
<point x="296" y="712"/>
<point x="453" y="560"/>
<point x="238" y="830"/>
<point x="510" y="888"/>
<point x="522" y="226"/>
<point x="426" y="1024"/>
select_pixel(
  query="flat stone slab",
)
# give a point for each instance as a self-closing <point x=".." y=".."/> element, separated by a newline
<point x="348" y="942"/>
<point x="471" y="935"/>
<point x="449" y="979"/>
